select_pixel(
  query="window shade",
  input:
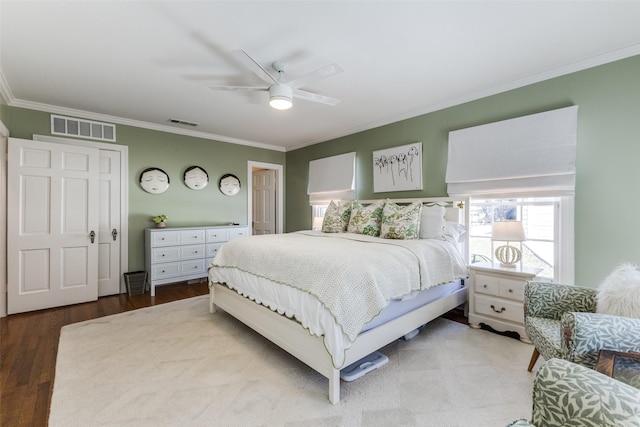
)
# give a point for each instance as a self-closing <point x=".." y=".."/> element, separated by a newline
<point x="528" y="156"/>
<point x="332" y="178"/>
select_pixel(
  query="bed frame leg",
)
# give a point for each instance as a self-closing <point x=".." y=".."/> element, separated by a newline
<point x="212" y="306"/>
<point x="334" y="387"/>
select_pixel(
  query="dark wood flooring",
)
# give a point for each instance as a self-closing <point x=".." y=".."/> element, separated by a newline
<point x="29" y="345"/>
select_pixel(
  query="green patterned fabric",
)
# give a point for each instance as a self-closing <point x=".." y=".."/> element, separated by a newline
<point x="366" y="220"/>
<point x="400" y="222"/>
<point x="561" y="322"/>
<point x="568" y="394"/>
<point x="336" y="217"/>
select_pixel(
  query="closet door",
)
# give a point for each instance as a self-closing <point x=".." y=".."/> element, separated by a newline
<point x="109" y="219"/>
<point x="52" y="223"/>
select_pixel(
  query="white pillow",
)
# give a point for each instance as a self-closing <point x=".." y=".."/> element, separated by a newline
<point x="432" y="222"/>
<point x="454" y="232"/>
<point x="619" y="294"/>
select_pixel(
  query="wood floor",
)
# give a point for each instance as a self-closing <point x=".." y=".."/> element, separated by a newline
<point x="29" y="345"/>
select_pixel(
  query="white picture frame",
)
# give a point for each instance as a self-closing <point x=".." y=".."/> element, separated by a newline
<point x="398" y="168"/>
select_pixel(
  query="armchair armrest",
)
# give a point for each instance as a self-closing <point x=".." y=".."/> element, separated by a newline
<point x="585" y="334"/>
<point x="566" y="393"/>
<point x="552" y="300"/>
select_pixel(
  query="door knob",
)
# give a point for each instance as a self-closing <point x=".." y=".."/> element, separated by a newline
<point x="92" y="236"/>
<point x="114" y="233"/>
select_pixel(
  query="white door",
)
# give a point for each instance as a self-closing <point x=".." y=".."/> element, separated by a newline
<point x="264" y="201"/>
<point x="52" y="225"/>
<point x="109" y="220"/>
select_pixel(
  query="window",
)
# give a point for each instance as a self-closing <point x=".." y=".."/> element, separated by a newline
<point x="548" y="224"/>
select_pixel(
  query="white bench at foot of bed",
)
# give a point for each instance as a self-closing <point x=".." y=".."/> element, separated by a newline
<point x="296" y="340"/>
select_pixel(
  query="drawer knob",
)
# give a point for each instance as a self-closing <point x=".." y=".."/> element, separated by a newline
<point x="484" y="286"/>
<point x="497" y="311"/>
<point x="163" y="271"/>
<point x="195" y="237"/>
<point x="162" y="238"/>
<point x="162" y="254"/>
<point x="511" y="290"/>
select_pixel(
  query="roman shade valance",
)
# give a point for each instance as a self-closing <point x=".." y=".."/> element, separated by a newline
<point x="332" y="178"/>
<point x="527" y="156"/>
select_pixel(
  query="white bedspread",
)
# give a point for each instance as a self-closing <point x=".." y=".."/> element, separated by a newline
<point x="352" y="275"/>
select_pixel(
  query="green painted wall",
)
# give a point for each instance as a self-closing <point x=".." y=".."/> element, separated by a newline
<point x="608" y="157"/>
<point x="173" y="153"/>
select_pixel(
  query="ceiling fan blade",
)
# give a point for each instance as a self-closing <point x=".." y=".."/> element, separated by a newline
<point x="318" y="74"/>
<point x="246" y="60"/>
<point x="238" y="88"/>
<point x="310" y="96"/>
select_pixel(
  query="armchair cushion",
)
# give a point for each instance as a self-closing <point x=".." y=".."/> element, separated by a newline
<point x="568" y="394"/>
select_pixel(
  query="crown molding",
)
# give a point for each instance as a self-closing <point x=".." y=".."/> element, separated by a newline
<point x="573" y="67"/>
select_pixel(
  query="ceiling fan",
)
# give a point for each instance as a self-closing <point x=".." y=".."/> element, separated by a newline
<point x="281" y="92"/>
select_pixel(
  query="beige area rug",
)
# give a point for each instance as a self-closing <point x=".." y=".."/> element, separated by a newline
<point x="178" y="365"/>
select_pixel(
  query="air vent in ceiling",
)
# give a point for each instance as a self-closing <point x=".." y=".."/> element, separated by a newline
<point x="183" y="122"/>
<point x="70" y="126"/>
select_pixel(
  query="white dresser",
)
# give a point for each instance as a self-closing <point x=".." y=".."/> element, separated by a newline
<point x="496" y="296"/>
<point x="184" y="253"/>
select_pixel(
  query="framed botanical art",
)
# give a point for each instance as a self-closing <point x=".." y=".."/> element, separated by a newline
<point x="398" y="168"/>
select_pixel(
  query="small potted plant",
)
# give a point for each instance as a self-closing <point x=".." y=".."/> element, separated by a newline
<point x="160" y="220"/>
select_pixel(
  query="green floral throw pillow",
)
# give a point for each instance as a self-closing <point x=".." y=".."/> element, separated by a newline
<point x="366" y="220"/>
<point x="400" y="222"/>
<point x="336" y="218"/>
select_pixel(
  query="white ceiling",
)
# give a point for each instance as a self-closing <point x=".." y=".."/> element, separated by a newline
<point x="144" y="62"/>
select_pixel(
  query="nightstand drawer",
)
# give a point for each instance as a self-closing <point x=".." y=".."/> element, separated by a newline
<point x="486" y="284"/>
<point x="496" y="307"/>
<point x="512" y="289"/>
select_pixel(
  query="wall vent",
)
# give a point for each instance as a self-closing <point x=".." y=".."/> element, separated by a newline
<point x="183" y="122"/>
<point x="81" y="128"/>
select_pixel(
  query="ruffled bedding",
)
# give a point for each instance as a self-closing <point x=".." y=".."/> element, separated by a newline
<point x="334" y="283"/>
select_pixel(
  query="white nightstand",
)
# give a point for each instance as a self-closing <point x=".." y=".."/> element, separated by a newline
<point x="496" y="296"/>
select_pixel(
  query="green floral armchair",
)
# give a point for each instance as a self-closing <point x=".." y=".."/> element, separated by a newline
<point x="561" y="322"/>
<point x="568" y="394"/>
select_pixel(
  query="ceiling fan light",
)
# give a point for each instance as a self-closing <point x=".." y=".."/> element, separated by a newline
<point x="280" y="97"/>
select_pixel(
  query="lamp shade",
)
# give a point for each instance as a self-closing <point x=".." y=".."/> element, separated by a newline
<point x="280" y="96"/>
<point x="508" y="231"/>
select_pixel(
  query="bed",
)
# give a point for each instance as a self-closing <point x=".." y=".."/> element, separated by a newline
<point x="330" y="299"/>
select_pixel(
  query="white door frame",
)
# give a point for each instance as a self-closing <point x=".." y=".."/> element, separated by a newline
<point x="4" y="137"/>
<point x="124" y="191"/>
<point x="279" y="192"/>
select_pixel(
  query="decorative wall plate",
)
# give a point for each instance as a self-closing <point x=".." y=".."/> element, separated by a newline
<point x="229" y="184"/>
<point x="196" y="178"/>
<point x="154" y="180"/>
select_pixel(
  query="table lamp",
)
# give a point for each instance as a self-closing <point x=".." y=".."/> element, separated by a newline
<point x="508" y="231"/>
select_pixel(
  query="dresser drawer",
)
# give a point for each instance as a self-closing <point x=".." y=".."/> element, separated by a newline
<point x="165" y="238"/>
<point x="189" y="237"/>
<point x="193" y="267"/>
<point x="171" y="253"/>
<point x="217" y="235"/>
<point x="238" y="232"/>
<point x="486" y="284"/>
<point x="212" y="249"/>
<point x="163" y="271"/>
<point x="499" y="308"/>
<point x="192" y="252"/>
